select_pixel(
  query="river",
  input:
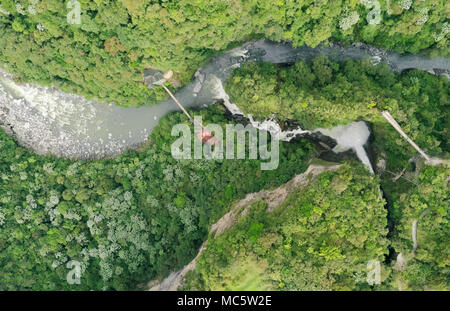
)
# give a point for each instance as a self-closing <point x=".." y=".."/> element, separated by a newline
<point x="48" y="120"/>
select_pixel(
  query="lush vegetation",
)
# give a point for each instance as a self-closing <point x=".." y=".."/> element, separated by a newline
<point x="321" y="238"/>
<point x="323" y="93"/>
<point x="103" y="55"/>
<point x="128" y="219"/>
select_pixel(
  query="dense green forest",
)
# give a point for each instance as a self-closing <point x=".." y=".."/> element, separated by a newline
<point x="321" y="238"/>
<point x="128" y="219"/>
<point x="102" y="53"/>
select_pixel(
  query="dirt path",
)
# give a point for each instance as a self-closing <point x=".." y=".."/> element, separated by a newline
<point x="273" y="198"/>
